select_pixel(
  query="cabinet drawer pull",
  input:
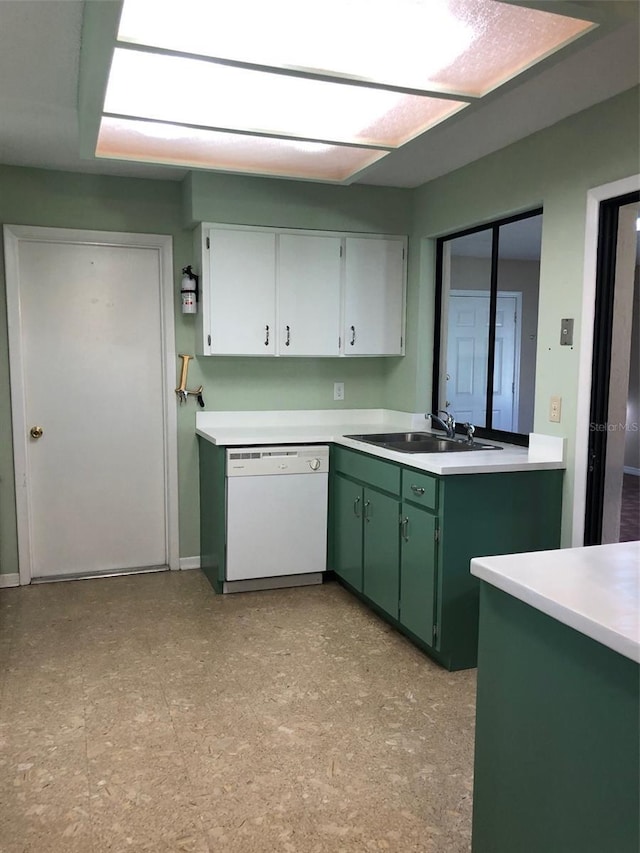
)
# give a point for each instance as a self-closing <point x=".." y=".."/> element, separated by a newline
<point x="355" y="507"/>
<point x="367" y="504"/>
<point x="417" y="490"/>
<point x="404" y="528"/>
<point x="353" y="335"/>
<point x="266" y="336"/>
<point x="288" y="340"/>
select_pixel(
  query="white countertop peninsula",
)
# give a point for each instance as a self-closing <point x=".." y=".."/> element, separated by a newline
<point x="595" y="590"/>
<point x="235" y="429"/>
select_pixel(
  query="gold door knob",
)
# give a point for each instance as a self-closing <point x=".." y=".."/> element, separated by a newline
<point x="36" y="432"/>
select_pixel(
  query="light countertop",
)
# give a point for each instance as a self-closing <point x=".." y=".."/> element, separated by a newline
<point x="595" y="590"/>
<point x="235" y="429"/>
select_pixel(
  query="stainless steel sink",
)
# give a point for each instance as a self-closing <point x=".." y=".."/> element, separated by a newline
<point x="421" y="442"/>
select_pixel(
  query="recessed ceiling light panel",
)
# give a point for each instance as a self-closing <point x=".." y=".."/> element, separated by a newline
<point x="189" y="91"/>
<point x="464" y="47"/>
<point x="152" y="142"/>
<point x="279" y="87"/>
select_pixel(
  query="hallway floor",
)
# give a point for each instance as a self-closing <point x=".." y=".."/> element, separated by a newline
<point x="630" y="511"/>
<point x="144" y="713"/>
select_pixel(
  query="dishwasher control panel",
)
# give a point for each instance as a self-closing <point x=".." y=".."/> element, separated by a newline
<point x="257" y="461"/>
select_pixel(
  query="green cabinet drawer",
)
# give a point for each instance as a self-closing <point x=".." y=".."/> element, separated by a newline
<point x="367" y="469"/>
<point x="420" y="488"/>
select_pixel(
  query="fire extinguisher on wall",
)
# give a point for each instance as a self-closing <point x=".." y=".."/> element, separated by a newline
<point x="189" y="291"/>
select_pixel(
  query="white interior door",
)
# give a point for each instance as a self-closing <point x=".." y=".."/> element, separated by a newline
<point x="90" y="368"/>
<point x="504" y="365"/>
<point x="467" y="349"/>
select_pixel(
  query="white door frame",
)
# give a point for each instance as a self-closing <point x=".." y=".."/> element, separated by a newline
<point x="595" y="196"/>
<point x="13" y="235"/>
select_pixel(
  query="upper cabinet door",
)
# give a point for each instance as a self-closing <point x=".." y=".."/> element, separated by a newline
<point x="242" y="295"/>
<point x="375" y="277"/>
<point x="308" y="295"/>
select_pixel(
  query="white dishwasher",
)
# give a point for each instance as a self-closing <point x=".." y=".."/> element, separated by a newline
<point x="276" y="516"/>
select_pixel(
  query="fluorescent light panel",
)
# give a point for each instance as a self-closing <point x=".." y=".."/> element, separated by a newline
<point x="128" y="139"/>
<point x="465" y="47"/>
<point x="190" y="91"/>
<point x="461" y="48"/>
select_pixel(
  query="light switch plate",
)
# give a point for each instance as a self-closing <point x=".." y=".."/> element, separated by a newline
<point x="338" y="390"/>
<point x="566" y="333"/>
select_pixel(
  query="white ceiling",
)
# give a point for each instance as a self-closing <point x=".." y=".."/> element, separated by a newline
<point x="39" y="51"/>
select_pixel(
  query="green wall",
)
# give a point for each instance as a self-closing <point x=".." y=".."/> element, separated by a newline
<point x="69" y="200"/>
<point x="244" y="200"/>
<point x="553" y="168"/>
<point x="280" y="383"/>
<point x="284" y="383"/>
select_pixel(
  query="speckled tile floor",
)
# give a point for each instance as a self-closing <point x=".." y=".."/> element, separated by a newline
<point x="144" y="713"/>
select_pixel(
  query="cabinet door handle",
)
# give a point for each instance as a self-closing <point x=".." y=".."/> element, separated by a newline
<point x="355" y="507"/>
<point x="266" y="336"/>
<point x="288" y="340"/>
<point x="404" y="528"/>
<point x="353" y="335"/>
<point x="367" y="504"/>
<point x="417" y="490"/>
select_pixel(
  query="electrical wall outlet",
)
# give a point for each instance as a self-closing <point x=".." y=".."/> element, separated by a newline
<point x="555" y="409"/>
<point x="338" y="390"/>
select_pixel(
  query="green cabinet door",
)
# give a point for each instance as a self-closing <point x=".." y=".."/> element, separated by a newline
<point x="381" y="582"/>
<point x="213" y="519"/>
<point x="347" y="531"/>
<point x="418" y="572"/>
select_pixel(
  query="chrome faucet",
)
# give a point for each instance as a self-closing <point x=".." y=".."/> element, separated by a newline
<point x="448" y="425"/>
<point x="470" y="432"/>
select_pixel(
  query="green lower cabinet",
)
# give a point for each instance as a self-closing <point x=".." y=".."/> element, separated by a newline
<point x="381" y="575"/>
<point x="365" y="542"/>
<point x="212" y="512"/>
<point x="392" y="559"/>
<point x="418" y="576"/>
<point x="347" y="531"/>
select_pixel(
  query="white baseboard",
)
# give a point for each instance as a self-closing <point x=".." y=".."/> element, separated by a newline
<point x="10" y="580"/>
<point x="189" y="563"/>
<point x="627" y="470"/>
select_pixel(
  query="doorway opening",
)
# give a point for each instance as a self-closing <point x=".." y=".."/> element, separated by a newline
<point x="613" y="474"/>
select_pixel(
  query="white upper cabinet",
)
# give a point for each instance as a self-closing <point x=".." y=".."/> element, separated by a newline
<point x="375" y="275"/>
<point x="309" y="295"/>
<point x="238" y="309"/>
<point x="283" y="292"/>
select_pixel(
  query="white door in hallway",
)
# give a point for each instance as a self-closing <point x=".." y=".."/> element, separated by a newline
<point x="89" y="391"/>
<point x="467" y="350"/>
